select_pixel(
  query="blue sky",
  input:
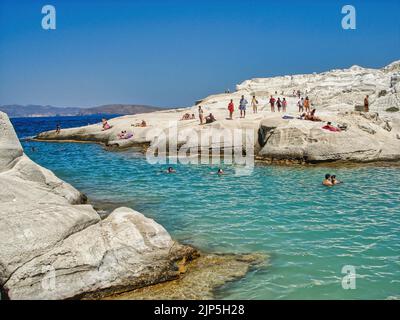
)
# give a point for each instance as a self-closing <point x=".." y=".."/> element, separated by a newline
<point x="171" y="53"/>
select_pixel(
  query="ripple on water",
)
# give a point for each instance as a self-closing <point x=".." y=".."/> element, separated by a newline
<point x="309" y="231"/>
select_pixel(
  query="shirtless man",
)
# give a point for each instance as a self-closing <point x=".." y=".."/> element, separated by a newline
<point x="327" y="181"/>
<point x="254" y="104"/>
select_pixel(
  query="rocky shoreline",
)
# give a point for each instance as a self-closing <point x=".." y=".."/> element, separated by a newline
<point x="367" y="137"/>
<point x="55" y="246"/>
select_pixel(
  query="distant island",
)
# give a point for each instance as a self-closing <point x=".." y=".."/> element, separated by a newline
<point x="16" y="111"/>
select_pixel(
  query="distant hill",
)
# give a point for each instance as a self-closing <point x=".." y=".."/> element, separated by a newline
<point x="15" y="111"/>
<point x="119" y="109"/>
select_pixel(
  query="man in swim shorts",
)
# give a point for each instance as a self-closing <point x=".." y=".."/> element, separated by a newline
<point x="242" y="107"/>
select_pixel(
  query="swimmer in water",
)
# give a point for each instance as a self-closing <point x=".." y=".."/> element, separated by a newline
<point x="334" y="180"/>
<point x="220" y="172"/>
<point x="327" y="181"/>
<point x="171" y="170"/>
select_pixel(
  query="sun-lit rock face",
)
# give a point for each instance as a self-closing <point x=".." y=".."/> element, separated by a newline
<point x="366" y="138"/>
<point x="336" y="90"/>
<point x="331" y="93"/>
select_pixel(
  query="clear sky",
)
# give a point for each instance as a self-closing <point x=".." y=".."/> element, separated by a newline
<point x="171" y="53"/>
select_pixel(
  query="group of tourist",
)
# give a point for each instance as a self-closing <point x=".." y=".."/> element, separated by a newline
<point x="123" y="134"/>
<point x="281" y="105"/>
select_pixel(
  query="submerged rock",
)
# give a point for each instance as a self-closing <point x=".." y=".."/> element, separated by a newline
<point x="200" y="279"/>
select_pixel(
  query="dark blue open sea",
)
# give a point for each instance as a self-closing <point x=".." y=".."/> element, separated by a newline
<point x="310" y="232"/>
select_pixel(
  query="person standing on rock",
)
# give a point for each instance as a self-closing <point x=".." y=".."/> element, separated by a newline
<point x="201" y="115"/>
<point x="279" y="104"/>
<point x="366" y="104"/>
<point x="231" y="108"/>
<point x="272" y="103"/>
<point x="300" y="104"/>
<point x="284" y="104"/>
<point x="254" y="104"/>
<point x="307" y="104"/>
<point x="242" y="106"/>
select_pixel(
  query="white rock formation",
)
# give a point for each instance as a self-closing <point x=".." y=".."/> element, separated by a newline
<point x="335" y="90"/>
<point x="332" y="93"/>
<point x="52" y="247"/>
<point x="367" y="138"/>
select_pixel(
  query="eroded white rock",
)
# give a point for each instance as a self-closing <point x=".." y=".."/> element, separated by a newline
<point x="51" y="247"/>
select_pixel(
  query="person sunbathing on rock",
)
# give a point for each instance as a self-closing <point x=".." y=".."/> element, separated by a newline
<point x="125" y="135"/>
<point x="142" y="124"/>
<point x="105" y="124"/>
<point x="210" y="118"/>
<point x="186" y="116"/>
<point x="302" y="116"/>
<point x="311" y="116"/>
<point x="327" y="181"/>
<point x="330" y="127"/>
<point x="121" y="135"/>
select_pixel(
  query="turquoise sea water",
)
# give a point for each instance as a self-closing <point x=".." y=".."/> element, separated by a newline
<point x="309" y="231"/>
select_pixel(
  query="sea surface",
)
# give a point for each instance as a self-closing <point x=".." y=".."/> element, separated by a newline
<point x="310" y="232"/>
